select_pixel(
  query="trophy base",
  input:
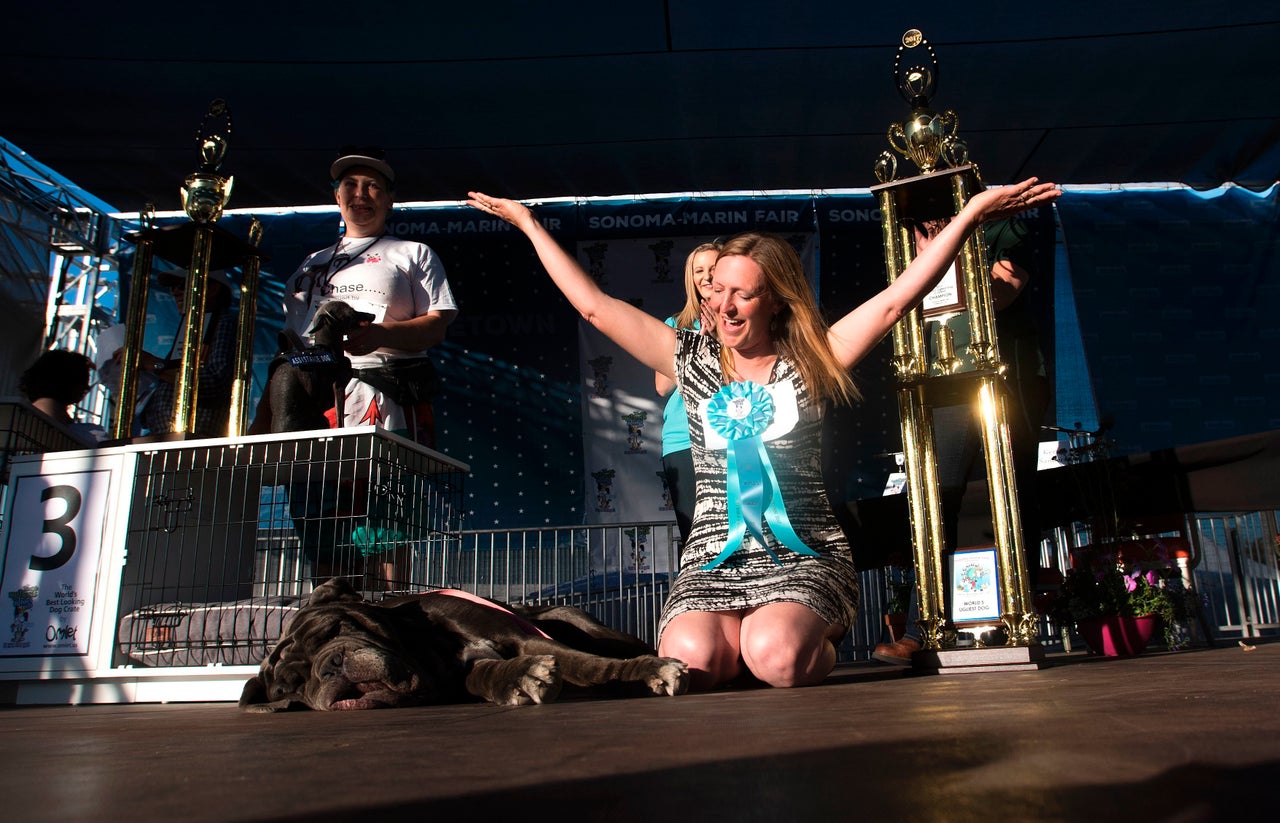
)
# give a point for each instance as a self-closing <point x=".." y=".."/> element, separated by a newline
<point x="976" y="661"/>
<point x="929" y="196"/>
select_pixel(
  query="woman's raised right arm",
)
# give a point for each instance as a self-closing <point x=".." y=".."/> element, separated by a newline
<point x="641" y="335"/>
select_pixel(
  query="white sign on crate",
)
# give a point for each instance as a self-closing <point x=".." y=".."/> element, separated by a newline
<point x="57" y="527"/>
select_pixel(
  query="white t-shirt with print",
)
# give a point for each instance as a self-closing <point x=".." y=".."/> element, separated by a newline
<point x="391" y="279"/>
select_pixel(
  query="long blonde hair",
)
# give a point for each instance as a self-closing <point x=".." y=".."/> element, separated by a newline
<point x="692" y="310"/>
<point x="799" y="330"/>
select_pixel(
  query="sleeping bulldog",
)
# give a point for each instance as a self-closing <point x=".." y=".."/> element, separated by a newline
<point x="342" y="652"/>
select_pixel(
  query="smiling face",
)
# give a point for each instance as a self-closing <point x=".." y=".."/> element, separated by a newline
<point x="364" y="198"/>
<point x="744" y="305"/>
<point x="703" y="262"/>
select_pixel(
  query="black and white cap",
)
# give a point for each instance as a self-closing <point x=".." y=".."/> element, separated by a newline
<point x="369" y="156"/>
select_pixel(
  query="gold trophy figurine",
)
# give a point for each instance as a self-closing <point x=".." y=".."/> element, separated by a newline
<point x="205" y="192"/>
<point x="921" y="137"/>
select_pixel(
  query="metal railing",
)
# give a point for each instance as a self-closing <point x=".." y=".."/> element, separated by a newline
<point x="1239" y="570"/>
<point x="620" y="574"/>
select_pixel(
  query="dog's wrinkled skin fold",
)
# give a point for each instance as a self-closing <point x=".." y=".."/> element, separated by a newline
<point x="342" y="652"/>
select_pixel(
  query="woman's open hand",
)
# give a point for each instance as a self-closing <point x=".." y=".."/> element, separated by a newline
<point x="515" y="213"/>
<point x="1006" y="201"/>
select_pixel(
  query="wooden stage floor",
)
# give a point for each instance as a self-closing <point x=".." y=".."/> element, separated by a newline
<point x="1191" y="736"/>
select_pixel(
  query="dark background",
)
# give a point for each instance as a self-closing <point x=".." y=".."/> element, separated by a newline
<point x="588" y="98"/>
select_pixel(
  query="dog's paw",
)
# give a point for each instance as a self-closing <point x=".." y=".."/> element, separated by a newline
<point x="533" y="679"/>
<point x="669" y="676"/>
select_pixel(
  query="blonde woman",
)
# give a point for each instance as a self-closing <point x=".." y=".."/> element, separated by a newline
<point x="677" y="459"/>
<point x="767" y="583"/>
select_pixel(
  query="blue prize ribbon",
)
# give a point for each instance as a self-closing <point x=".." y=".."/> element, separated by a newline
<point x="740" y="413"/>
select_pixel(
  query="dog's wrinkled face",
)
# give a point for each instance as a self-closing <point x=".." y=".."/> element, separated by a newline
<point x="342" y="653"/>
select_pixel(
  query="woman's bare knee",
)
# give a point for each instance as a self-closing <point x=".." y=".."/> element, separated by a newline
<point x="786" y="647"/>
<point x="702" y="644"/>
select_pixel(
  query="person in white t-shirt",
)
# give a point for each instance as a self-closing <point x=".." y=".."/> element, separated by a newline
<point x="400" y="282"/>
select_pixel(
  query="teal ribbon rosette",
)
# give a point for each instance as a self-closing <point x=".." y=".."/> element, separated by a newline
<point x="740" y="413"/>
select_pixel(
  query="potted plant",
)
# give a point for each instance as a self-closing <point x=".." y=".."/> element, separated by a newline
<point x="1118" y="609"/>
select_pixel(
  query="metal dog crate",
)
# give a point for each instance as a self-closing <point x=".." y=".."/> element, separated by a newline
<point x="167" y="570"/>
<point x="226" y="539"/>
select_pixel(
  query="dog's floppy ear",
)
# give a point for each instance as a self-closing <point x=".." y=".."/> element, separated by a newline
<point x="321" y="321"/>
<point x="332" y="314"/>
<point x="253" y="698"/>
<point x="334" y="590"/>
<point x="339" y="315"/>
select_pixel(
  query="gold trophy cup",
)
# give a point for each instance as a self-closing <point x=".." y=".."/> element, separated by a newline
<point x="205" y="192"/>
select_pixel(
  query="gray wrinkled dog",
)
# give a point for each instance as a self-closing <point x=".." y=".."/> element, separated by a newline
<point x="342" y="652"/>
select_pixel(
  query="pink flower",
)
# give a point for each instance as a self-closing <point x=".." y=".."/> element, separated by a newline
<point x="1152" y="577"/>
<point x="1131" y="581"/>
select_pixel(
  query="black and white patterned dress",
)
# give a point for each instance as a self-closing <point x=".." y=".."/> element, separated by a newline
<point x="828" y="583"/>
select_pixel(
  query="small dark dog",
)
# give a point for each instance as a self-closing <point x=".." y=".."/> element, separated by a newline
<point x="304" y="383"/>
<point x="342" y="652"/>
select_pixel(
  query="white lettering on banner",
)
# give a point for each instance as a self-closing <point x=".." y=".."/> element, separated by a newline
<point x="713" y="218"/>
<point x="630" y="221"/>
<point x="408" y="230"/>
<point x="786" y="216"/>
<point x="475" y="226"/>
<point x="854" y="215"/>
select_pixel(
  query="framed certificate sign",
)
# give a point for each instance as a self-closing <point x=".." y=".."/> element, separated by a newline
<point x="975" y="586"/>
<point x="57" y="527"/>
<point x="947" y="297"/>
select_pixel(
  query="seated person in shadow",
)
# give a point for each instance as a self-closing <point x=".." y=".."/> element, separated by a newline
<point x="215" y="372"/>
<point x="55" y="382"/>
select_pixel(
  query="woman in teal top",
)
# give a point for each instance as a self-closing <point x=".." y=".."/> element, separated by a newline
<point x="677" y="461"/>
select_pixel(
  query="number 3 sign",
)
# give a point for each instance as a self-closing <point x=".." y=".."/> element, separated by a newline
<point x="57" y="526"/>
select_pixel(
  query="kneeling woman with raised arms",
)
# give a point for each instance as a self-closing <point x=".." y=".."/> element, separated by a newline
<point x="767" y="579"/>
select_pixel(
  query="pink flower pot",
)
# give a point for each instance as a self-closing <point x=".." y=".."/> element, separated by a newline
<point x="1118" y="636"/>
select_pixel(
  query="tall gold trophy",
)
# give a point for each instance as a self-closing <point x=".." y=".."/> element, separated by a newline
<point x="207" y="248"/>
<point x="931" y="373"/>
<point x="204" y="194"/>
<point x="135" y="320"/>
